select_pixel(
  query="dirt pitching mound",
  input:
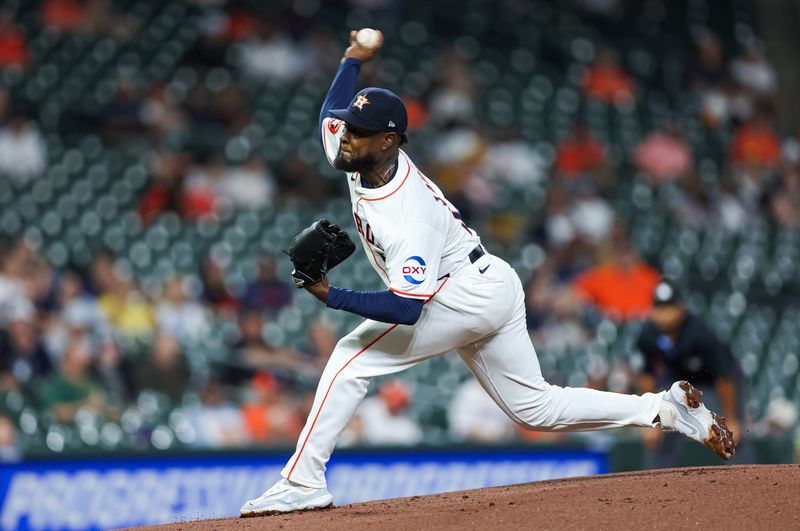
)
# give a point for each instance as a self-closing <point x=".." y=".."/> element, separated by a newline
<point x="723" y="497"/>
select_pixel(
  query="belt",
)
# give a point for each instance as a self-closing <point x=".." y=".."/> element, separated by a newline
<point x="476" y="253"/>
<point x="473" y="256"/>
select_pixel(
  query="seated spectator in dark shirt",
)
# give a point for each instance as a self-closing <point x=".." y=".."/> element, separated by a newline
<point x="252" y="353"/>
<point x="215" y="291"/>
<point x="73" y="388"/>
<point x="165" y="370"/>
<point x="267" y="293"/>
<point x="23" y="358"/>
<point x="113" y="373"/>
<point x="678" y="345"/>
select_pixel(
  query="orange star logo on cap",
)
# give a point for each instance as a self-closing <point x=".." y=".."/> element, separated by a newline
<point x="361" y="100"/>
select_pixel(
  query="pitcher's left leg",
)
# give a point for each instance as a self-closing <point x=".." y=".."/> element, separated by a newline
<point x="506" y="365"/>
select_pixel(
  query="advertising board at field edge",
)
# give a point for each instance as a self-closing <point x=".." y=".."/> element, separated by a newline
<point x="105" y="494"/>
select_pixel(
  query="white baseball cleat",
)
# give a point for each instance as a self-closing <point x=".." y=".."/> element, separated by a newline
<point x="682" y="410"/>
<point x="285" y="497"/>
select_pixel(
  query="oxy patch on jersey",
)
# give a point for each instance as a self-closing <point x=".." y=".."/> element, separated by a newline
<point x="414" y="270"/>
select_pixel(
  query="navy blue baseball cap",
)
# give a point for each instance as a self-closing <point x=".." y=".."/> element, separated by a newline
<point x="666" y="293"/>
<point x="375" y="109"/>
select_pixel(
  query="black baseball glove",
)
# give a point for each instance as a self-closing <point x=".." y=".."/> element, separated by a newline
<point x="318" y="249"/>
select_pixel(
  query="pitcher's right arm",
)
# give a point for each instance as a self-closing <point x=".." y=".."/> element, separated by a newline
<point x="342" y="90"/>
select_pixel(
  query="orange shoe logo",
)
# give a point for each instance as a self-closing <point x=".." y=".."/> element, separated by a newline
<point x="361" y="100"/>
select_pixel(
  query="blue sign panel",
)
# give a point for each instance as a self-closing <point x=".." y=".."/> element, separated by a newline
<point x="103" y="494"/>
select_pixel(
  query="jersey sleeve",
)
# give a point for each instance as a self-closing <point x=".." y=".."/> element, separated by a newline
<point x="339" y="94"/>
<point x="413" y="261"/>
<point x="332" y="129"/>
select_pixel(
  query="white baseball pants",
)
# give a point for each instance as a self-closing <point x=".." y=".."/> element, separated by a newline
<point x="482" y="316"/>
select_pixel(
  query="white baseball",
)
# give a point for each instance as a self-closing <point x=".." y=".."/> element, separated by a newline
<point x="368" y="38"/>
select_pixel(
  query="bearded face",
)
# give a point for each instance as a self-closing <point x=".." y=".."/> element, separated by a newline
<point x="346" y="162"/>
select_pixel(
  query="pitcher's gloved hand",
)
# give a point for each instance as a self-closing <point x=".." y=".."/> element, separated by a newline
<point x="318" y="249"/>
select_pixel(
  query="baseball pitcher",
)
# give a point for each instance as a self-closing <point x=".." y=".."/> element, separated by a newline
<point x="444" y="292"/>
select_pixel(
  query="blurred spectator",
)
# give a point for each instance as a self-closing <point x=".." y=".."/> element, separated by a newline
<point x="512" y="160"/>
<point x="383" y="419"/>
<point x="505" y="228"/>
<point x="786" y="200"/>
<point x="253" y="353"/>
<point x="23" y="154"/>
<point x="591" y="216"/>
<point x="557" y="226"/>
<point x="215" y="291"/>
<point x="678" y="345"/>
<point x="217" y="422"/>
<point x="474" y="416"/>
<point x="122" y="122"/>
<point x="9" y="450"/>
<point x="113" y="374"/>
<point x="297" y="178"/>
<point x="551" y="313"/>
<point x="168" y="193"/>
<point x="86" y="16"/>
<point x="273" y="55"/>
<point x="752" y="71"/>
<point x="248" y="186"/>
<point x="267" y="293"/>
<point x="790" y="150"/>
<point x="164" y="370"/>
<point x="126" y="308"/>
<point x="64" y="15"/>
<point x="457" y="156"/>
<point x="731" y="210"/>
<point x="23" y="358"/>
<point x="780" y="419"/>
<point x="268" y="414"/>
<point x="582" y="155"/>
<point x="72" y="388"/>
<point x="215" y="113"/>
<point x="177" y="315"/>
<point x="664" y="155"/>
<point x="607" y="81"/>
<point x="204" y="179"/>
<point x="102" y="276"/>
<point x="75" y="310"/>
<point x="14" y="301"/>
<point x="622" y="285"/>
<point x="13" y="46"/>
<point x="691" y="205"/>
<point x="576" y="215"/>
<point x="322" y="338"/>
<point x="709" y="70"/>
<point x="755" y="143"/>
<point x="161" y="112"/>
<point x="452" y="101"/>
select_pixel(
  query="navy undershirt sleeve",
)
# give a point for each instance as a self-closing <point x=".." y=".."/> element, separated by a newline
<point x="342" y="88"/>
<point x="383" y="306"/>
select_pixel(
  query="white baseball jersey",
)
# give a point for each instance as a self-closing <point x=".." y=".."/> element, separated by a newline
<point x="414" y="239"/>
<point x="411" y="234"/>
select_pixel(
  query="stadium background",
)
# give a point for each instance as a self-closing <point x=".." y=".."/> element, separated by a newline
<point x="155" y="157"/>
